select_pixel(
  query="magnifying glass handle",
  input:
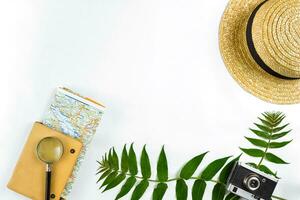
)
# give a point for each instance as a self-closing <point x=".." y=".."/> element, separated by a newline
<point x="48" y="182"/>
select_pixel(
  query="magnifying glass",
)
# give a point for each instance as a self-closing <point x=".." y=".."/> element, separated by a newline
<point x="49" y="150"/>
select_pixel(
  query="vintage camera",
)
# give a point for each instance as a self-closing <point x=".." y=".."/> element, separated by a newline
<point x="250" y="183"/>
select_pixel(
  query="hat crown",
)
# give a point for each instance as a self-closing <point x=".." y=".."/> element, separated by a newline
<point x="276" y="36"/>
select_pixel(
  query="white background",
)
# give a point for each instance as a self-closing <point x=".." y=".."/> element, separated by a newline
<point x="155" y="65"/>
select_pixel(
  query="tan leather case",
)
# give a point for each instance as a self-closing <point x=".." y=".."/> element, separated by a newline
<point x="28" y="177"/>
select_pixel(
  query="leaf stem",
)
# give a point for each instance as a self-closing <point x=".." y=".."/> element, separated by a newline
<point x="214" y="181"/>
<point x="279" y="198"/>
<point x="170" y="180"/>
<point x="267" y="148"/>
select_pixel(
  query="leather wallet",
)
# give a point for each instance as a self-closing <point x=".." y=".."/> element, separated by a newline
<point x="29" y="174"/>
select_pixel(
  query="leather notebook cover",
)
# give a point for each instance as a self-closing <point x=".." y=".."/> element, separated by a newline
<point x="28" y="177"/>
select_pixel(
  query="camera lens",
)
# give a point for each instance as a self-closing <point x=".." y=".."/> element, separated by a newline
<point x="252" y="182"/>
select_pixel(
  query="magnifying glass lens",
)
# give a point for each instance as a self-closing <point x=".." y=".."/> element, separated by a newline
<point x="50" y="150"/>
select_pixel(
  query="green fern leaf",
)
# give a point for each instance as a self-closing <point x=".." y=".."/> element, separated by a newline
<point x="213" y="168"/>
<point x="105" y="174"/>
<point x="231" y="196"/>
<point x="198" y="189"/>
<point x="262" y="168"/>
<point x="253" y="152"/>
<point x="139" y="190"/>
<point x="124" y="160"/>
<point x="191" y="166"/>
<point x="270" y="131"/>
<point x="279" y="120"/>
<point x="280" y="135"/>
<point x="162" y="166"/>
<point x="218" y="192"/>
<point x="251" y="164"/>
<point x="101" y="170"/>
<point x="128" y="185"/>
<point x="116" y="181"/>
<point x="267" y="116"/>
<point x="159" y="191"/>
<point x="276" y="130"/>
<point x="266" y="122"/>
<point x="145" y="164"/>
<point x="115" y="160"/>
<point x="110" y="160"/>
<point x="132" y="163"/>
<point x="257" y="142"/>
<point x="275" y="159"/>
<point x="266" y="170"/>
<point x="109" y="178"/>
<point x="279" y="144"/>
<point x="181" y="190"/>
<point x="263" y="128"/>
<point x="261" y="134"/>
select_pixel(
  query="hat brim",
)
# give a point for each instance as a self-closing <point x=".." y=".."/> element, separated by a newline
<point x="241" y="65"/>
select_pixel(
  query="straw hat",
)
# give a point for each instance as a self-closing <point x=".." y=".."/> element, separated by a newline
<point x="260" y="45"/>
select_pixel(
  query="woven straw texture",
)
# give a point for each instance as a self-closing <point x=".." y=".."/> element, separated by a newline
<point x="276" y="36"/>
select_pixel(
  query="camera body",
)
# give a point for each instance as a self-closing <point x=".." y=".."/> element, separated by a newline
<point x="250" y="183"/>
